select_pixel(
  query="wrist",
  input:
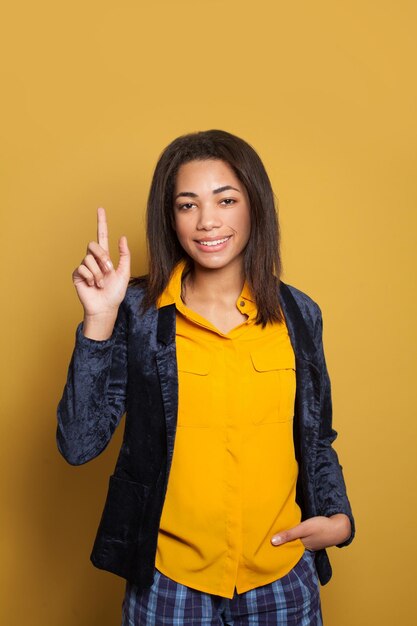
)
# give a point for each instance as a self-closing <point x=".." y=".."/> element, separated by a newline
<point x="99" y="326"/>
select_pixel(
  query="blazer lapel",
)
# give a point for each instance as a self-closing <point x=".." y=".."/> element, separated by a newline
<point x="166" y="361"/>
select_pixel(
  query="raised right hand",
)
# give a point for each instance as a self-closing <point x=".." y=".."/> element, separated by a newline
<point x="100" y="287"/>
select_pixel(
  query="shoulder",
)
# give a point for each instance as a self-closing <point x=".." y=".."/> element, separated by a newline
<point x="295" y="303"/>
<point x="135" y="292"/>
<point x="132" y="304"/>
<point x="303" y="300"/>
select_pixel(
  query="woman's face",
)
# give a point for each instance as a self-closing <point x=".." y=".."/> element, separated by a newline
<point x="211" y="214"/>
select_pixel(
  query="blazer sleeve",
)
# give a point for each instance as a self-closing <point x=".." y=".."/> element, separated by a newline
<point x="94" y="396"/>
<point x="330" y="486"/>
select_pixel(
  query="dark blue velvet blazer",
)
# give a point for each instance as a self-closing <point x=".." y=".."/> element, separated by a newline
<point x="135" y="371"/>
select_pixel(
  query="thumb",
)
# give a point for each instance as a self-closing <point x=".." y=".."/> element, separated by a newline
<point x="288" y="535"/>
<point x="124" y="256"/>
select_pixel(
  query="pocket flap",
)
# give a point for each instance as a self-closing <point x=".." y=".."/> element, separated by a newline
<point x="193" y="361"/>
<point x="124" y="509"/>
<point x="266" y="361"/>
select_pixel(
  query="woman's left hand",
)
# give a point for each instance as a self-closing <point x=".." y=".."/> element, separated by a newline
<point x="317" y="532"/>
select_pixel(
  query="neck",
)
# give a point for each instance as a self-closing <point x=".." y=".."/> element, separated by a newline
<point x="221" y="286"/>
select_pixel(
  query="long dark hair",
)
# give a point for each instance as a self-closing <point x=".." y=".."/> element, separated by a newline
<point x="262" y="262"/>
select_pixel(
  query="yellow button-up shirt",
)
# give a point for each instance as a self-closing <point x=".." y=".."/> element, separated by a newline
<point x="233" y="475"/>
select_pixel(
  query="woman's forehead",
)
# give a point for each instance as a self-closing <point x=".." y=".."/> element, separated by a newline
<point x="208" y="173"/>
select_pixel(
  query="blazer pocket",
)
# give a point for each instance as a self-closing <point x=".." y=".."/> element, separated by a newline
<point x="194" y="388"/>
<point x="274" y="385"/>
<point x="124" y="510"/>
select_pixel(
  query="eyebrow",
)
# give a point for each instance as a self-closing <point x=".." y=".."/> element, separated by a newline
<point x="191" y="194"/>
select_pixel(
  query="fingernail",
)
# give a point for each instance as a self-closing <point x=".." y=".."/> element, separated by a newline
<point x="276" y="540"/>
<point x="109" y="264"/>
<point x="100" y="284"/>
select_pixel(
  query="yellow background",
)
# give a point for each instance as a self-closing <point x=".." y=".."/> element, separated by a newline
<point x="91" y="93"/>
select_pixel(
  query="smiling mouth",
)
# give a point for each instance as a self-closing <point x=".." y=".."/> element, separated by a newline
<point x="214" y="242"/>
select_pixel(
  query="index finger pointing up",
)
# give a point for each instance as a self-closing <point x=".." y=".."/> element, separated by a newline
<point x="102" y="232"/>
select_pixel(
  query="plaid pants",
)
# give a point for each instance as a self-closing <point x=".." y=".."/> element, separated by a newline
<point x="292" y="600"/>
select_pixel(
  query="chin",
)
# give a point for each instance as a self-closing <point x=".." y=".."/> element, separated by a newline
<point x="217" y="263"/>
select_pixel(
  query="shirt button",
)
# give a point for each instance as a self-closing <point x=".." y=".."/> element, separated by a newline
<point x="242" y="303"/>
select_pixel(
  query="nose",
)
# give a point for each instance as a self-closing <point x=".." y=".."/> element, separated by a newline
<point x="208" y="217"/>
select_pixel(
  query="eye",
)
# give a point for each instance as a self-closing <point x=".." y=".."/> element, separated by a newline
<point x="186" y="206"/>
<point x="228" y="201"/>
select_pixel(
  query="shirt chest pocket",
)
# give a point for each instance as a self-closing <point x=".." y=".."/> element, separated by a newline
<point x="272" y="386"/>
<point x="194" y="387"/>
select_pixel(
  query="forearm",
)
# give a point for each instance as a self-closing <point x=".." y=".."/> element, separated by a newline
<point x="99" y="327"/>
<point x="93" y="400"/>
<point x="330" y="488"/>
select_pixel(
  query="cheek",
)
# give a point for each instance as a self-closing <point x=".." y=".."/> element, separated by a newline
<point x="180" y="229"/>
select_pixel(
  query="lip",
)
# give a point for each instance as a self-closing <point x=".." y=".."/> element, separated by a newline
<point x="212" y="248"/>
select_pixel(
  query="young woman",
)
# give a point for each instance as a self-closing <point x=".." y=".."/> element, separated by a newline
<point x="227" y="489"/>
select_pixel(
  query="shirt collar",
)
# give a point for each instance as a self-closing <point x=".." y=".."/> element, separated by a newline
<point x="172" y="293"/>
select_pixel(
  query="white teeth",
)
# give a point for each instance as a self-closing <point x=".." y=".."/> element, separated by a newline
<point x="213" y="243"/>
